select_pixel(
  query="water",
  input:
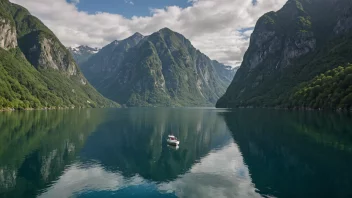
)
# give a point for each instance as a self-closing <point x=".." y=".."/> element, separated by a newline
<point x="123" y="153"/>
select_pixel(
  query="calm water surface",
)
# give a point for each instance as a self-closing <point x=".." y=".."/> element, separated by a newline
<point x="123" y="153"/>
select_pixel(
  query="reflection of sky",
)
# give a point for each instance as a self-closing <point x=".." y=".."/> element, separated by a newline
<point x="222" y="173"/>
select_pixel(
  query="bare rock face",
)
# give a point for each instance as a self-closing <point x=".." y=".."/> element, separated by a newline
<point x="8" y="37"/>
<point x="289" y="47"/>
<point x="55" y="57"/>
<point x="300" y="45"/>
<point x="41" y="71"/>
<point x="162" y="69"/>
<point x="344" y="24"/>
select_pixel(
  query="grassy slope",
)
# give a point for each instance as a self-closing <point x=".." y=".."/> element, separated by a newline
<point x="23" y="86"/>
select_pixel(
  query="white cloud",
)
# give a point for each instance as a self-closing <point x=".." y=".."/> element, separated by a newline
<point x="220" y="174"/>
<point x="211" y="25"/>
<point x="205" y="179"/>
<point x="77" y="179"/>
<point x="129" y="2"/>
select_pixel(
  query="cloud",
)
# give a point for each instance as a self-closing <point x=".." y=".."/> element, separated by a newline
<point x="77" y="179"/>
<point x="129" y="2"/>
<point x="213" y="26"/>
<point x="205" y="179"/>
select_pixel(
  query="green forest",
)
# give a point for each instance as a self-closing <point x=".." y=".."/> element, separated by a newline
<point x="328" y="90"/>
<point x="40" y="72"/>
<point x="22" y="86"/>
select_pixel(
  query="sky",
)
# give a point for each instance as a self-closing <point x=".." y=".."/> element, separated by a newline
<point x="220" y="29"/>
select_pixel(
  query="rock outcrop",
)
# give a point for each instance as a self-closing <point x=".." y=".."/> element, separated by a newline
<point x="288" y="47"/>
<point x="36" y="70"/>
<point x="8" y="37"/>
<point x="162" y="69"/>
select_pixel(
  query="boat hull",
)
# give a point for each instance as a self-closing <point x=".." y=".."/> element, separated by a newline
<point x="173" y="143"/>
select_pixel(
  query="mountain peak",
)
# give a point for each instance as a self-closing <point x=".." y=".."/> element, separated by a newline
<point x="82" y="52"/>
<point x="268" y="75"/>
<point x="165" y="30"/>
<point x="162" y="69"/>
<point x="137" y="34"/>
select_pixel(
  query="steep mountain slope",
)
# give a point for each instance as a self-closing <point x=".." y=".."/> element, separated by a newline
<point x="37" y="71"/>
<point x="302" y="40"/>
<point x="82" y="53"/>
<point x="162" y="69"/>
<point x="102" y="65"/>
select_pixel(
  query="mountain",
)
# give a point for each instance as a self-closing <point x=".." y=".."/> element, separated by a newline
<point x="82" y="53"/>
<point x="37" y="71"/>
<point x="288" y="50"/>
<point x="162" y="69"/>
<point x="108" y="59"/>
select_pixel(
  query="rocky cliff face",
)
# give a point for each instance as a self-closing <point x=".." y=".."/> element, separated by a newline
<point x="287" y="48"/>
<point x="55" y="57"/>
<point x="8" y="38"/>
<point x="162" y="69"/>
<point x="37" y="71"/>
<point x="40" y="46"/>
<point x="110" y="57"/>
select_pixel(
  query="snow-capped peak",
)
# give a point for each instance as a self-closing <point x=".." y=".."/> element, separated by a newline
<point x="84" y="49"/>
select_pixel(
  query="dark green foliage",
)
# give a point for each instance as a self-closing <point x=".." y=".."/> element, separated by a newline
<point x="329" y="90"/>
<point x="163" y="69"/>
<point x="23" y="86"/>
<point x="307" y="39"/>
<point x="25" y="22"/>
<point x="30" y="139"/>
<point x="3" y="13"/>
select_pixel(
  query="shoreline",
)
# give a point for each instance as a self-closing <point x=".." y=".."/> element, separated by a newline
<point x="243" y="107"/>
<point x="291" y="109"/>
<point x="34" y="109"/>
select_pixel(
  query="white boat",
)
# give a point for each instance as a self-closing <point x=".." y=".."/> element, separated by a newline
<point x="172" y="140"/>
<point x="173" y="147"/>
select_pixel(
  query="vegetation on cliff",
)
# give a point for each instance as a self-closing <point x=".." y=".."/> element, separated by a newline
<point x="292" y="46"/>
<point x="40" y="72"/>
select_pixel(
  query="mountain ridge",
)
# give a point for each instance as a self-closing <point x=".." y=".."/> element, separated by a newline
<point x="82" y="53"/>
<point x="290" y="47"/>
<point x="37" y="70"/>
<point x="162" y="69"/>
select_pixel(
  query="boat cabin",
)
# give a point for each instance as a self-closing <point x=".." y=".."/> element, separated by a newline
<point x="171" y="137"/>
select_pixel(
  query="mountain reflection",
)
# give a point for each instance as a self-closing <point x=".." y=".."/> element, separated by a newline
<point x="295" y="154"/>
<point x="36" y="146"/>
<point x="120" y="152"/>
<point x="133" y="142"/>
